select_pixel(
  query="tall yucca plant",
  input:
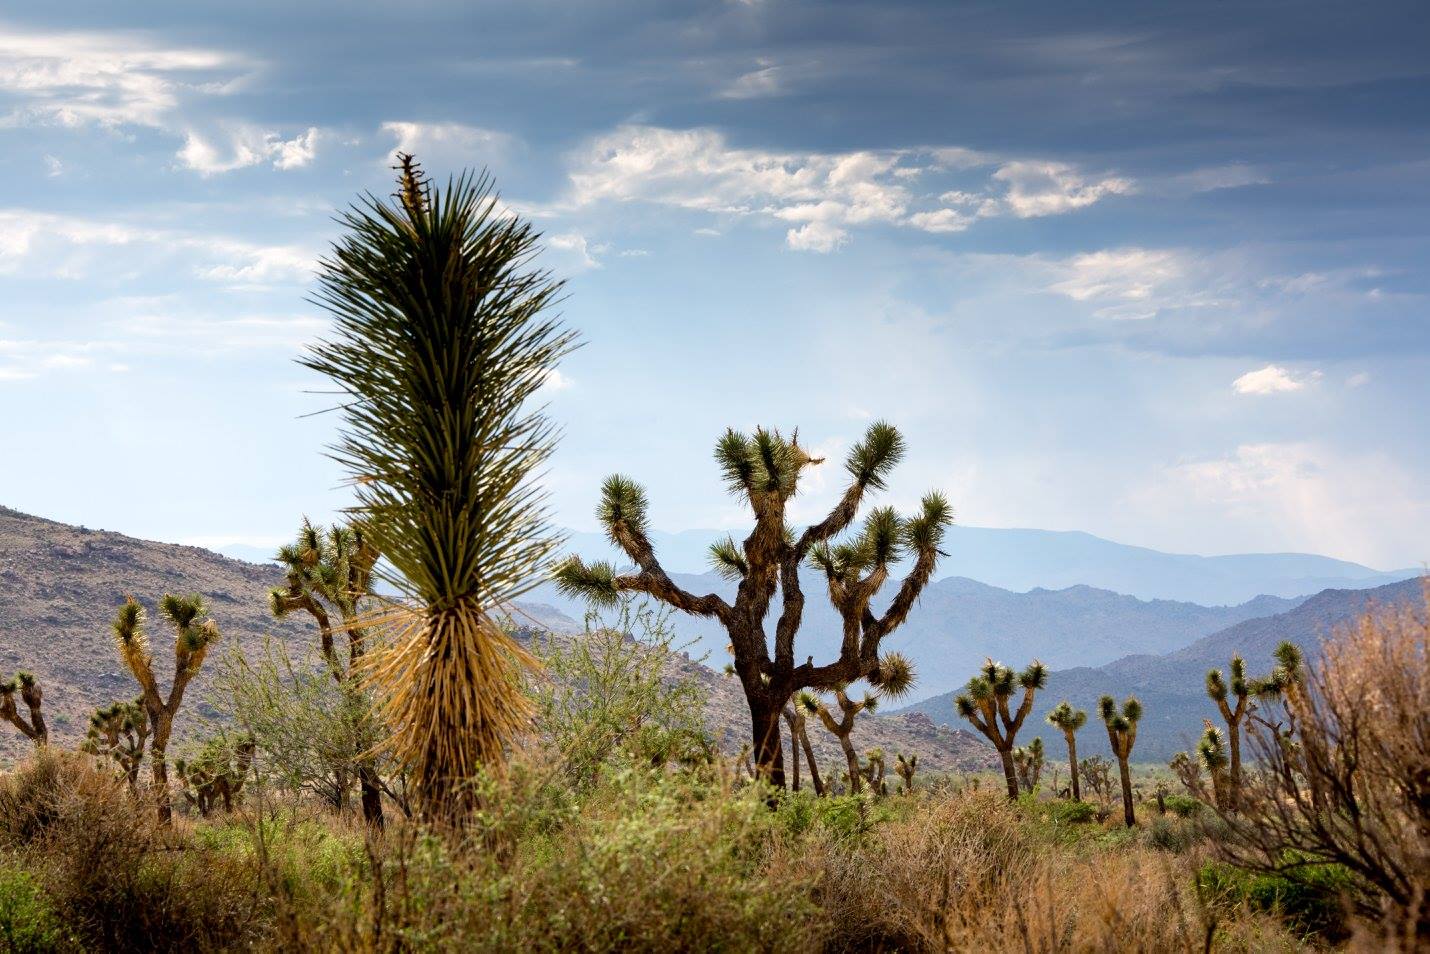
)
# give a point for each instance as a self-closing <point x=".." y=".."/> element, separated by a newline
<point x="442" y="336"/>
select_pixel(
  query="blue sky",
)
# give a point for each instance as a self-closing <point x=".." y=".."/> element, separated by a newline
<point x="1153" y="272"/>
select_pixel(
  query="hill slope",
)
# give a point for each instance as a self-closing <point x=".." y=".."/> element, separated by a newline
<point x="60" y="586"/>
<point x="1015" y="559"/>
<point x="1171" y="685"/>
<point x="958" y="622"/>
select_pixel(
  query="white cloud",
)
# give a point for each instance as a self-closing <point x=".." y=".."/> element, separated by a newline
<point x="1299" y="495"/>
<point x="44" y="244"/>
<point x="576" y="248"/>
<point x="109" y="79"/>
<point x="1358" y="380"/>
<point x="1273" y="379"/>
<point x="242" y="146"/>
<point x="827" y="194"/>
<point x="1124" y="282"/>
<point x="53" y="166"/>
<point x="816" y="237"/>
<point x="1036" y="189"/>
<point x="556" y="381"/>
<point x="25" y="360"/>
<point x="755" y="84"/>
<point x="449" y="145"/>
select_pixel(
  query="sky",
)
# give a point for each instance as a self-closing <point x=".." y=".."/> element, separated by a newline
<point x="1156" y="272"/>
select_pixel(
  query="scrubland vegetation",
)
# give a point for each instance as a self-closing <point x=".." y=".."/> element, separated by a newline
<point x="453" y="782"/>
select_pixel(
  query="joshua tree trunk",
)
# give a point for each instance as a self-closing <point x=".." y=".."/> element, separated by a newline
<point x="1127" y="813"/>
<point x="163" y="724"/>
<point x="767" y="748"/>
<point x="1009" y="773"/>
<point x="852" y="758"/>
<point x="809" y="758"/>
<point x="1072" y="764"/>
<point x="793" y="747"/>
<point x="1234" y="738"/>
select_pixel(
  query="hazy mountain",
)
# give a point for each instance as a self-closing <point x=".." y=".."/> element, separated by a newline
<point x="1021" y="560"/>
<point x="1171" y="685"/>
<point x="60" y="586"/>
<point x="958" y="622"/>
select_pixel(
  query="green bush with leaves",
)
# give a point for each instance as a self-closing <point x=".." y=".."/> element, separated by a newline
<point x="611" y="692"/>
<point x="28" y="923"/>
<point x="1311" y="897"/>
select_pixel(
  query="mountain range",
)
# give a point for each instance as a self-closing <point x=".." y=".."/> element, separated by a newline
<point x="1171" y="685"/>
<point x="60" y="586"/>
<point x="1021" y="560"/>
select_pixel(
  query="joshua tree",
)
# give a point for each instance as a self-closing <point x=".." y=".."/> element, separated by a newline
<point x="1284" y="684"/>
<point x="219" y="772"/>
<point x="1188" y="771"/>
<point x="1069" y="720"/>
<point x="1218" y="690"/>
<point x="34" y="728"/>
<point x="905" y="767"/>
<point x="442" y="336"/>
<point x="192" y="640"/>
<point x="764" y="470"/>
<point x="799" y="739"/>
<point x="330" y="572"/>
<point x="1028" y="760"/>
<point x="1122" y="734"/>
<point x="1212" y="752"/>
<point x="873" y="771"/>
<point x="985" y="704"/>
<point x="842" y="728"/>
<point x="120" y="730"/>
<point x="1098" y="772"/>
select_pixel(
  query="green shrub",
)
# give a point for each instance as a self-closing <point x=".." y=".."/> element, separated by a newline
<point x="27" y="919"/>
<point x="1167" y="834"/>
<point x="1310" y="898"/>
<point x="1183" y="806"/>
<point x="1071" y="813"/>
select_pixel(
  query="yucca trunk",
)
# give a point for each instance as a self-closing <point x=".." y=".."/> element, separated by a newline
<point x="163" y="724"/>
<point x="852" y="757"/>
<point x="1072" y="765"/>
<point x="809" y="758"/>
<point x="1234" y="789"/>
<point x="1127" y="813"/>
<point x="1010" y="773"/>
<point x="766" y="739"/>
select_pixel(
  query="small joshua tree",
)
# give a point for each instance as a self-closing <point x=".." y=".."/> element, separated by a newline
<point x="33" y="728"/>
<point x="873" y="771"/>
<point x="1028" y="760"/>
<point x="119" y="731"/>
<point x="985" y="705"/>
<point x="842" y="728"/>
<point x="1285" y="683"/>
<point x="330" y="572"/>
<point x="192" y="640"/>
<point x="905" y="766"/>
<point x="764" y="470"/>
<point x="217" y="774"/>
<point x="1122" y="734"/>
<point x="1188" y="771"/>
<point x="1069" y="720"/>
<point x="799" y="741"/>
<point x="1211" y="750"/>
<point x="1218" y="690"/>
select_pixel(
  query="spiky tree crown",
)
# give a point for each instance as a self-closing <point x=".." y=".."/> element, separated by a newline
<point x="1065" y="717"/>
<point x="1212" y="749"/>
<point x="894" y="676"/>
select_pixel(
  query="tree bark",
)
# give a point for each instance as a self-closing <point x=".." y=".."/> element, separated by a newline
<point x="1010" y="774"/>
<point x="1234" y="795"/>
<point x="1127" y="813"/>
<point x="793" y="749"/>
<point x="158" y="743"/>
<point x="852" y="758"/>
<point x="1072" y="764"/>
<point x="813" y="765"/>
<point x="371" y="794"/>
<point x="766" y="739"/>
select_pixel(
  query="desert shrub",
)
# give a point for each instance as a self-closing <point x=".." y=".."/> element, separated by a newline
<point x="1183" y="806"/>
<point x="1343" y="778"/>
<point x="648" y="860"/>
<point x="1313" y="901"/>
<point x="608" y="691"/>
<point x="844" y="818"/>
<point x="28" y="924"/>
<point x="309" y="728"/>
<point x="1167" y="834"/>
<point x="1071" y="813"/>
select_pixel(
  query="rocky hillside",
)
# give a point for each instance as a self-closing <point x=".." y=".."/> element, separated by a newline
<point x="1171" y="685"/>
<point x="60" y="586"/>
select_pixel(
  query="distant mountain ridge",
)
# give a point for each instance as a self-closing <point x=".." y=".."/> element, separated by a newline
<point x="1022" y="560"/>
<point x="958" y="622"/>
<point x="1172" y="685"/>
